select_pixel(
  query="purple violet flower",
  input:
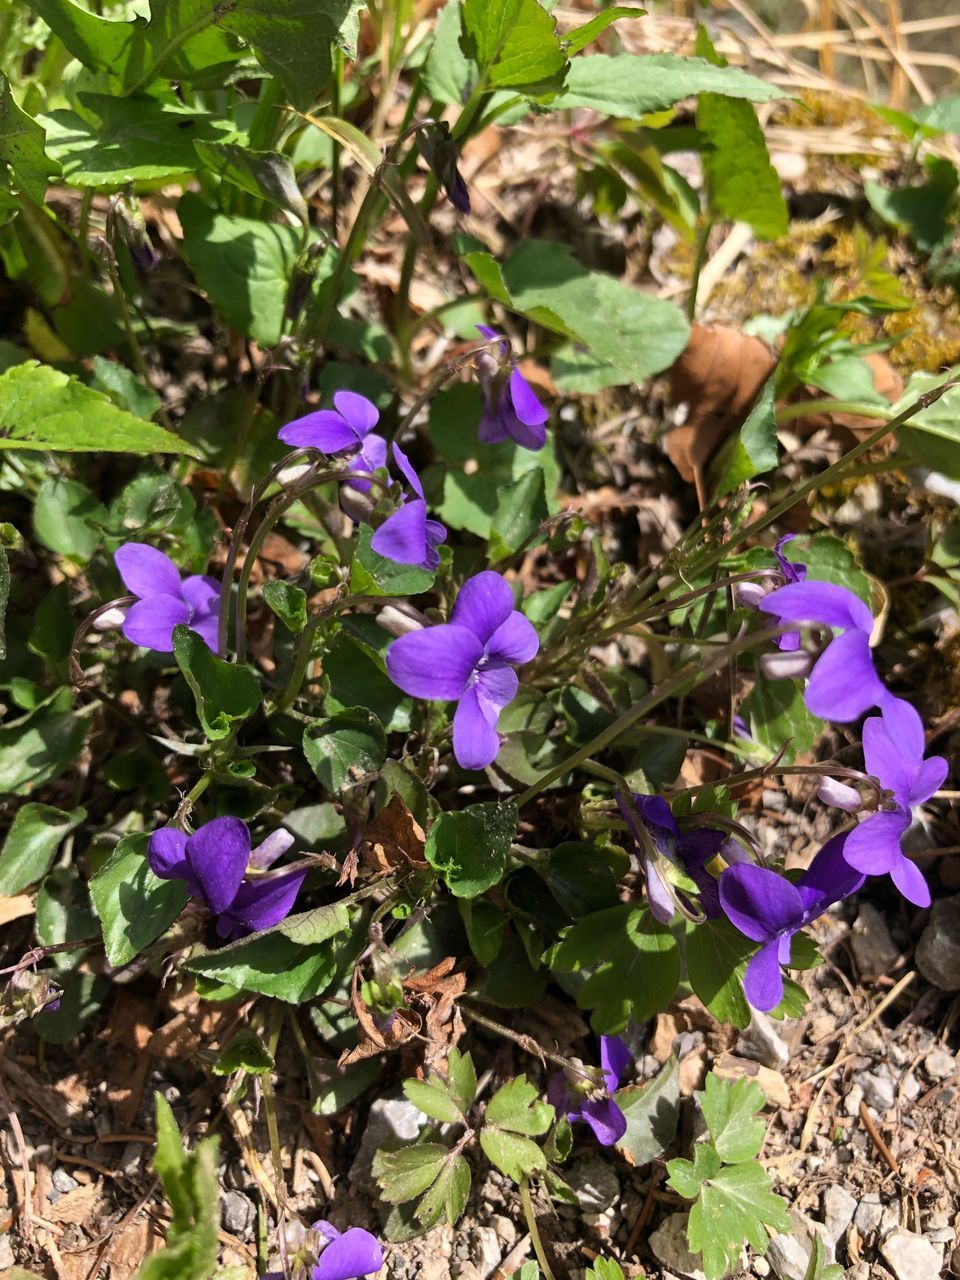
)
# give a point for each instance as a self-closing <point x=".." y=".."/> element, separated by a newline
<point x="347" y="426"/>
<point x="582" y="1099"/>
<point x="769" y="909"/>
<point x="469" y="660"/>
<point x="164" y="600"/>
<point x="843" y="683"/>
<point x="349" y="1255"/>
<point x="657" y="836"/>
<point x="893" y="746"/>
<point x="409" y="536"/>
<point x="213" y="863"/>
<point x="440" y="152"/>
<point x="511" y="410"/>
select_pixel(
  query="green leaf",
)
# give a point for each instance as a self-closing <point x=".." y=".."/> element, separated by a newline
<point x="462" y="1079"/>
<point x="742" y="184"/>
<point x="932" y="436"/>
<point x="628" y="85"/>
<point x="687" y="1178"/>
<point x="265" y="174"/>
<point x="944" y="114"/>
<point x="521" y="508"/>
<point x="488" y="275"/>
<point x="407" y="1173"/>
<point x="924" y="212"/>
<point x="293" y="38"/>
<point x="817" y="1270"/>
<point x="828" y="559"/>
<point x="634" y="332"/>
<point x="729" y="1108"/>
<point x="469" y="848"/>
<point x="433" y="1097"/>
<point x="717" y="954"/>
<point x="44" y="409"/>
<point x="190" y="1184"/>
<point x="245" y="1052"/>
<point x="4" y="599"/>
<point x="31" y="844"/>
<point x="517" y="1157"/>
<point x="66" y="517"/>
<point x="603" y="1268"/>
<point x="81" y="996"/>
<point x="735" y="1206"/>
<point x="777" y="714"/>
<point x="484" y="924"/>
<point x="127" y="140"/>
<point x="756" y="448"/>
<point x="448" y="1195"/>
<point x="346" y="746"/>
<point x="51" y="635"/>
<point x="225" y="694"/>
<point x="124" y="388"/>
<point x="243" y="264"/>
<point x="448" y="73"/>
<point x="581" y="36"/>
<point x="22" y="156"/>
<point x="635" y="963"/>
<point x="64" y="914"/>
<point x="375" y="575"/>
<point x="288" y="602"/>
<point x="134" y="906"/>
<point x="514" y="42"/>
<point x="294" y="961"/>
<point x="652" y="1113"/>
<point x="516" y="1106"/>
<point x="40" y="745"/>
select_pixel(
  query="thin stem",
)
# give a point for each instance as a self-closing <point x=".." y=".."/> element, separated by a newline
<point x="679" y="681"/>
<point x="534" y="1230"/>
<point x="135" y="349"/>
<point x="304" y="649"/>
<point x="703" y="243"/>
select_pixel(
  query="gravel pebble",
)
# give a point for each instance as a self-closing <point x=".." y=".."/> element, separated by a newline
<point x="909" y="1256"/>
<point x="938" y="951"/>
<point x="939" y="1065"/>
<point x="668" y="1244"/>
<point x="63" y="1182"/>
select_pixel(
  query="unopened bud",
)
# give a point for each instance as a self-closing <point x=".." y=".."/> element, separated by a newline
<point x="110" y="619"/>
<point x="839" y="795"/>
<point x="289" y="474"/>
<point x="732" y="852"/>
<point x="397" y="622"/>
<point x="749" y="594"/>
<point x="786" y="665"/>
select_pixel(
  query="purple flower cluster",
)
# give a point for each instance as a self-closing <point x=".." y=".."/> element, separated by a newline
<point x="215" y="864"/>
<point x="353" y="1254"/>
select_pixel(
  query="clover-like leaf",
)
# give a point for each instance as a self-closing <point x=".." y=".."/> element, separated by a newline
<point x="405" y="1174"/>
<point x="730" y="1110"/>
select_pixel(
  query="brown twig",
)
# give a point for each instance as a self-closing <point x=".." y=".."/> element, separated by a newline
<point x="878" y="1142"/>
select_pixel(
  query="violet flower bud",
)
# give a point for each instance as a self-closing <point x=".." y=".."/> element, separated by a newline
<point x="786" y="665"/>
<point x="749" y="594"/>
<point x="839" y="795"/>
<point x="110" y="619"/>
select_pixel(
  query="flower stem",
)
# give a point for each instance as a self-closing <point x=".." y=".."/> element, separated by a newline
<point x="534" y="1230"/>
<point x="304" y="648"/>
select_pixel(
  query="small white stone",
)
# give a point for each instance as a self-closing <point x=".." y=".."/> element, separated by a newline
<point x="852" y="1100"/>
<point x="839" y="1207"/>
<point x="669" y="1246"/>
<point x="868" y="1214"/>
<point x="939" y="1065"/>
<point x="911" y="1257"/>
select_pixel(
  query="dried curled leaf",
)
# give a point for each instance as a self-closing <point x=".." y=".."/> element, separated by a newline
<point x="393" y="839"/>
<point x="429" y="1013"/>
<point x="719" y="375"/>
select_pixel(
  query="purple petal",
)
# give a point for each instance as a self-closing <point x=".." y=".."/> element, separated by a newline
<point x="887" y="760"/>
<point x="207" y="627"/>
<point x="527" y="437"/>
<point x="201" y="592"/>
<point x="659" y="900"/>
<point x="326" y="1229"/>
<point x="491" y="334"/>
<point x="930" y="777"/>
<point x="371" y="457"/>
<point x="165" y="853"/>
<point x="789" y="642"/>
<point x="150" y="622"/>
<point x="496" y="687"/>
<point x="874" y="846"/>
<point x="491" y="429"/>
<point x="515" y="640"/>
<point x="485" y="602"/>
<point x="405" y="467"/>
<point x="475" y="740"/>
<point x="325" y="430"/>
<point x="357" y="411"/>
<point x="524" y="400"/>
<point x="697" y="848"/>
<point x="763" y="981"/>
<point x="403" y="536"/>
<point x="758" y="902"/>
<point x="145" y="571"/>
<point x="260" y="904"/>
<point x="436" y="533"/>
<point x="605" y="1118"/>
<point x="908" y="878"/>
<point x="558" y="1091"/>
<point x="843" y="684"/>
<point x="353" y="1255"/>
<point x="822" y="602"/>
<point x="656" y="816"/>
<point x="218" y="853"/>
<point x="791" y="572"/>
<point x="831" y="875"/>
<point x="904" y="726"/>
<point x="615" y="1057"/>
<point x="434" y="663"/>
